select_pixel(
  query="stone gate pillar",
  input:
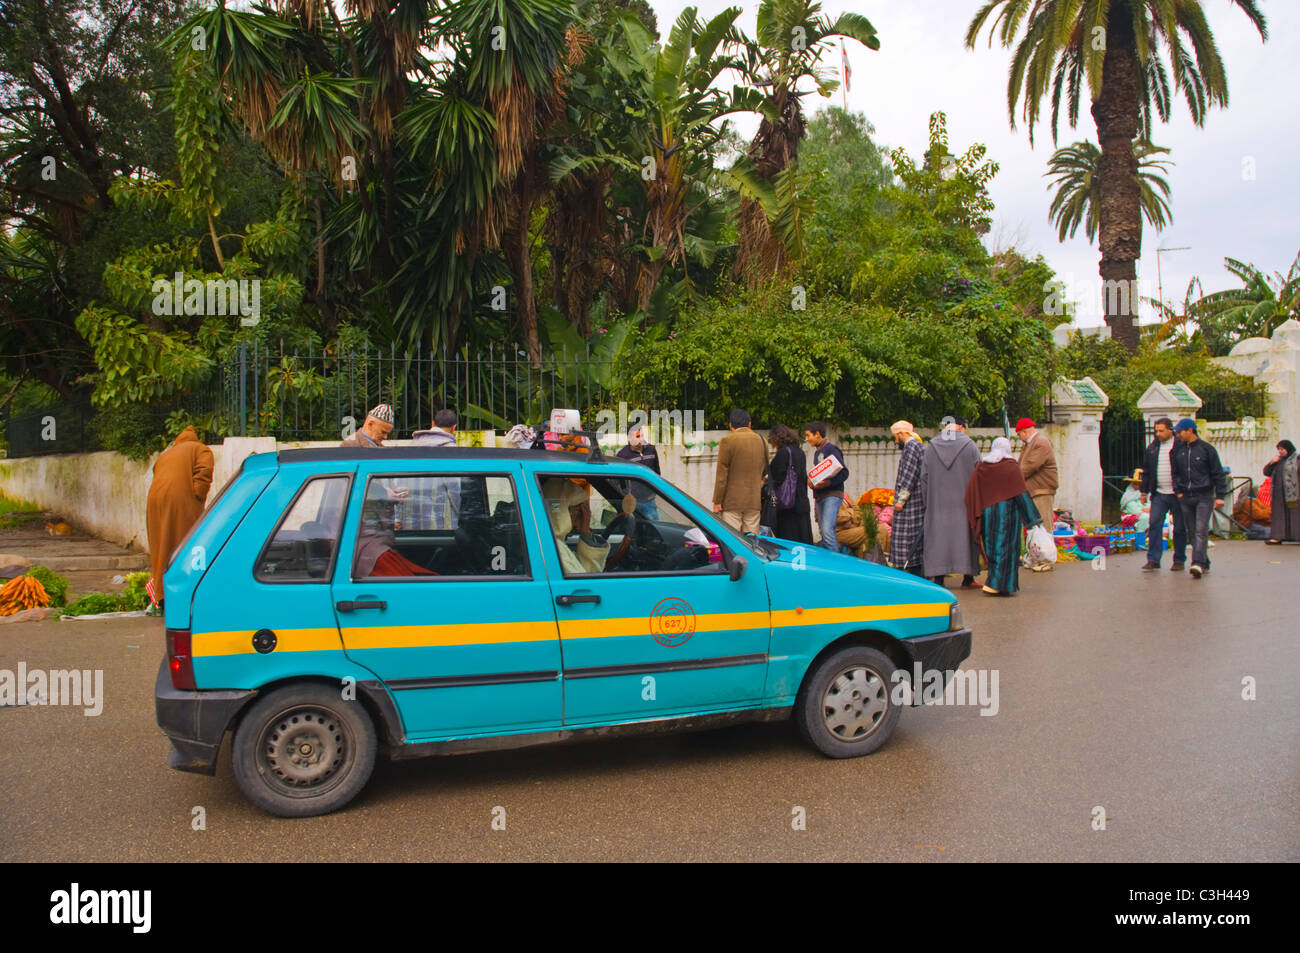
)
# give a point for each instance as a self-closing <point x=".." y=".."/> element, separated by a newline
<point x="1077" y="410"/>
<point x="1168" y="400"/>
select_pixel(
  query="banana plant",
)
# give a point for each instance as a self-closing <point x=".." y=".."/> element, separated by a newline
<point x="680" y="104"/>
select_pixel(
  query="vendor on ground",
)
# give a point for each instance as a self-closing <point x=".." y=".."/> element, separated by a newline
<point x="1132" y="504"/>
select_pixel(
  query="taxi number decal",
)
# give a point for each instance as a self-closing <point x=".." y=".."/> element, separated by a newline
<point x="672" y="622"/>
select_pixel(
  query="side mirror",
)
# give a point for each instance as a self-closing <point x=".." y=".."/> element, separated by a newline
<point x="738" y="566"/>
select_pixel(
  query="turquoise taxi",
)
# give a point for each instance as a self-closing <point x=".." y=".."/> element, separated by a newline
<point x="333" y="604"/>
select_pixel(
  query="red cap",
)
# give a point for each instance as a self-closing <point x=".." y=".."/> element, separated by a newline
<point x="1024" y="423"/>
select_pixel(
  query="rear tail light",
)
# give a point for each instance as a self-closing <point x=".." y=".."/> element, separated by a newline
<point x="179" y="661"/>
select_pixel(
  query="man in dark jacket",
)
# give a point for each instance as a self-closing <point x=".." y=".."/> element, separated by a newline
<point x="1158" y="486"/>
<point x="829" y="493"/>
<point x="639" y="450"/>
<point x="1201" y="486"/>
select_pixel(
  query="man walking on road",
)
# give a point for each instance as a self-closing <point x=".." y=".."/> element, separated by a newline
<point x="905" y="541"/>
<point x="738" y="482"/>
<point x="950" y="459"/>
<point x="1201" y="485"/>
<point x="182" y="476"/>
<point x="1038" y="467"/>
<point x="1158" y="485"/>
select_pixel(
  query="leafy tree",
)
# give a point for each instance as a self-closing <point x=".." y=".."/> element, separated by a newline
<point x="1125" y="377"/>
<point x="1134" y="57"/>
<point x="78" y="108"/>
<point x="792" y="37"/>
<point x="1078" y="187"/>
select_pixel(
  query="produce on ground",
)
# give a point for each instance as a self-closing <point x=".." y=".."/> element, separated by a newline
<point x="22" y="593"/>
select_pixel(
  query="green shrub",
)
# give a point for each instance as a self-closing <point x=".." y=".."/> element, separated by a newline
<point x="94" y="603"/>
<point x="55" y="585"/>
<point x="133" y="597"/>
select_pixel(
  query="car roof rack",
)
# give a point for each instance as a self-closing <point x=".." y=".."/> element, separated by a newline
<point x="594" y="452"/>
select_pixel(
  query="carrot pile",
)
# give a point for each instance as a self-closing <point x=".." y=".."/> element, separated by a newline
<point x="22" y="593"/>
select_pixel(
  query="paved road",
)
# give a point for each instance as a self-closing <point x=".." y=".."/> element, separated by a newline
<point x="1116" y="689"/>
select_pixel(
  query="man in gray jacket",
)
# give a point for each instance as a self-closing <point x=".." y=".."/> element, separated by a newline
<point x="436" y="501"/>
<point x="441" y="434"/>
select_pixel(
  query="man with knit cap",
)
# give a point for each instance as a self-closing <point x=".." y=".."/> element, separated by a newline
<point x="1038" y="467"/>
<point x="906" y="546"/>
<point x="1201" y="486"/>
<point x="377" y="427"/>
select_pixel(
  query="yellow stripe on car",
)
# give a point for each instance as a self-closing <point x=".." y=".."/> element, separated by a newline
<point x="208" y="644"/>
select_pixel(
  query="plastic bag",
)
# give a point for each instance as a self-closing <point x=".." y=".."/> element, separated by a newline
<point x="1040" y="547"/>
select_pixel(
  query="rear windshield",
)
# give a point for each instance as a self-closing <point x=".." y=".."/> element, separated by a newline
<point x="204" y="515"/>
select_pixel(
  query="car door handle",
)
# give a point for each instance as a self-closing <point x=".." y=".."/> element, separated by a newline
<point x="571" y="599"/>
<point x="347" y="605"/>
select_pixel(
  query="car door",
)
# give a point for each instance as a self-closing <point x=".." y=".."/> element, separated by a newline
<point x="650" y="623"/>
<point x="441" y="594"/>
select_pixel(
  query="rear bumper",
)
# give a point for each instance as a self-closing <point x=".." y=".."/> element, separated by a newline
<point x="194" y="722"/>
<point x="942" y="652"/>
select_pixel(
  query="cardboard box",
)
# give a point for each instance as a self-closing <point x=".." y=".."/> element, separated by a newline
<point x="824" y="471"/>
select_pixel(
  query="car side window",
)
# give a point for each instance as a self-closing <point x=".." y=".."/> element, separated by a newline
<point x="420" y="526"/>
<point x="624" y="525"/>
<point x="302" y="547"/>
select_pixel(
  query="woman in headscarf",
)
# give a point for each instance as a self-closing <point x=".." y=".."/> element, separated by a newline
<point x="999" y="507"/>
<point x="1284" y="526"/>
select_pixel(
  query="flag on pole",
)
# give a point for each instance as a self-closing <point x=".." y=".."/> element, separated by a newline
<point x="848" y="73"/>
<point x="151" y="592"/>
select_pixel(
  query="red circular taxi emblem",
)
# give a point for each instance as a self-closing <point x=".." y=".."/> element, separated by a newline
<point x="672" y="622"/>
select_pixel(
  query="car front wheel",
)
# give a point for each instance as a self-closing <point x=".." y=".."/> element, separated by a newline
<point x="846" y="708"/>
<point x="302" y="750"/>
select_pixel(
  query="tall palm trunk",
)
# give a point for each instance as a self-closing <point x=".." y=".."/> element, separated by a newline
<point x="1120" y="217"/>
<point x="760" y="254"/>
<point x="516" y="244"/>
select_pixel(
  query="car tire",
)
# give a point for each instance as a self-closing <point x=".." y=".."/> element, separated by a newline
<point x="846" y="708"/>
<point x="302" y="750"/>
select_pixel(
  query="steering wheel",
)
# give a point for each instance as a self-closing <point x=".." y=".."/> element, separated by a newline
<point x="641" y="538"/>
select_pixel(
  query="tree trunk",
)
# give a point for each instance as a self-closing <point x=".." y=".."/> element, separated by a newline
<point x="760" y="254"/>
<point x="516" y="244"/>
<point x="1115" y="112"/>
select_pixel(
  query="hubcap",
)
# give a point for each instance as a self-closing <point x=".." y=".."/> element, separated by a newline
<point x="854" y="704"/>
<point x="303" y="750"/>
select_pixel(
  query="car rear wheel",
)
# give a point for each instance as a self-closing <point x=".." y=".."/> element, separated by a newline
<point x="846" y="707"/>
<point x="302" y="750"/>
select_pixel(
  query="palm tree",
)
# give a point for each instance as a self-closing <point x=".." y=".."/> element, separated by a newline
<point x="1078" y="188"/>
<point x="1177" y="325"/>
<point x="1134" y="56"/>
<point x="676" y="83"/>
<point x="518" y="53"/>
<point x="792" y="38"/>
<point x="1253" y="310"/>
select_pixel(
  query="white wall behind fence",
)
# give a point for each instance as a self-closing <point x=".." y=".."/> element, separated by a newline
<point x="104" y="493"/>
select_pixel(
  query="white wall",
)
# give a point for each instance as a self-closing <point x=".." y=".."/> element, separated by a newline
<point x="104" y="493"/>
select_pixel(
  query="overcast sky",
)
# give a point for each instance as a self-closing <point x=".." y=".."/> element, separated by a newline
<point x="1219" y="210"/>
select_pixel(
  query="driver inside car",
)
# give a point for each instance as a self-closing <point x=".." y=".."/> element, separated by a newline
<point x="568" y="507"/>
